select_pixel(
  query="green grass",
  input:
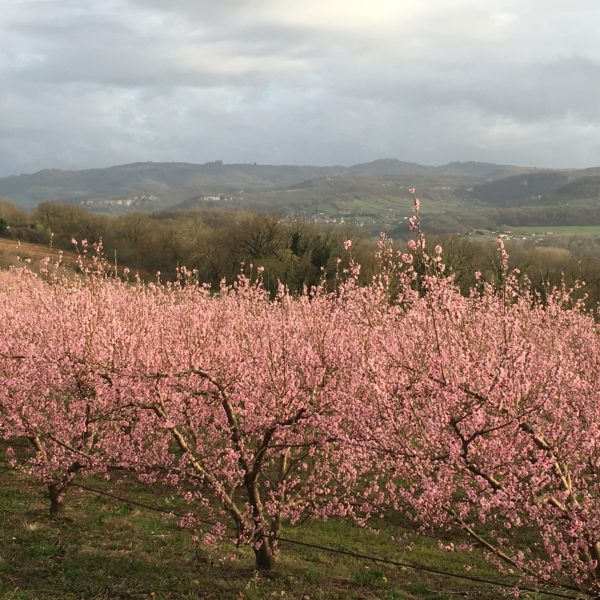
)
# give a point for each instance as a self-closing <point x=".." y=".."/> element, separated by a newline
<point x="557" y="230"/>
<point x="102" y="549"/>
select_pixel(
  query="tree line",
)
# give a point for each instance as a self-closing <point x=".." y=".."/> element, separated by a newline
<point x="220" y="243"/>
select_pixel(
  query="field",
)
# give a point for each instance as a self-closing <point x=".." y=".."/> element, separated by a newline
<point x="13" y="253"/>
<point x="558" y="230"/>
<point x="102" y="548"/>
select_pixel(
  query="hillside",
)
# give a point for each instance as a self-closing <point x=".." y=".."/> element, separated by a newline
<point x="152" y="186"/>
<point x="15" y="253"/>
<point x="458" y="196"/>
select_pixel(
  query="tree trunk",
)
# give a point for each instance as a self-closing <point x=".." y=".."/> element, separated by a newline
<point x="57" y="490"/>
<point x="265" y="557"/>
<point x="56" y="494"/>
<point x="596" y="557"/>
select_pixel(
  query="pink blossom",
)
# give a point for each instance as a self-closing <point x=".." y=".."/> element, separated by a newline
<point x="484" y="406"/>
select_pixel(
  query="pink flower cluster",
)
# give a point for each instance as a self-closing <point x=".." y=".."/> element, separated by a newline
<point x="478" y="413"/>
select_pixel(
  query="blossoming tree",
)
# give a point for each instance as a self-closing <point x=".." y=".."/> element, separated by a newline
<point x="484" y="416"/>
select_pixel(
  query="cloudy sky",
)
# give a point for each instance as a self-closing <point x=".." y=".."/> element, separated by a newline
<point x="99" y="82"/>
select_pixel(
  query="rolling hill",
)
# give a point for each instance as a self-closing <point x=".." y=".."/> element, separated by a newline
<point x="460" y="194"/>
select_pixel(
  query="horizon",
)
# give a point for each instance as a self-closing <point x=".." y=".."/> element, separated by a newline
<point x="298" y="165"/>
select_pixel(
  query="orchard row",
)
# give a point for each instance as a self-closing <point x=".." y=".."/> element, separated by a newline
<point x="478" y="413"/>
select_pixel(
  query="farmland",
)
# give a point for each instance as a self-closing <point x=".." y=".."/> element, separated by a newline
<point x="102" y="548"/>
<point x="299" y="300"/>
<point x="265" y="423"/>
<point x="593" y="230"/>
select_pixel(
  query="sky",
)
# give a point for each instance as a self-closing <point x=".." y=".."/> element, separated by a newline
<point x="93" y="83"/>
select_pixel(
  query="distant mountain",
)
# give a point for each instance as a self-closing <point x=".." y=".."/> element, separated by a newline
<point x="170" y="182"/>
<point x="483" y="170"/>
<point x="587" y="186"/>
<point x="373" y="193"/>
<point x="541" y="187"/>
<point x="521" y="189"/>
<point x="389" y="167"/>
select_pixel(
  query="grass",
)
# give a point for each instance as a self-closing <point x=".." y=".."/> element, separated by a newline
<point x="12" y="250"/>
<point x="103" y="549"/>
<point x="557" y="230"/>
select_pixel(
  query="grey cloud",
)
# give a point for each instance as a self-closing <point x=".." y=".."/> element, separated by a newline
<point x="89" y="84"/>
<point x="526" y="94"/>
